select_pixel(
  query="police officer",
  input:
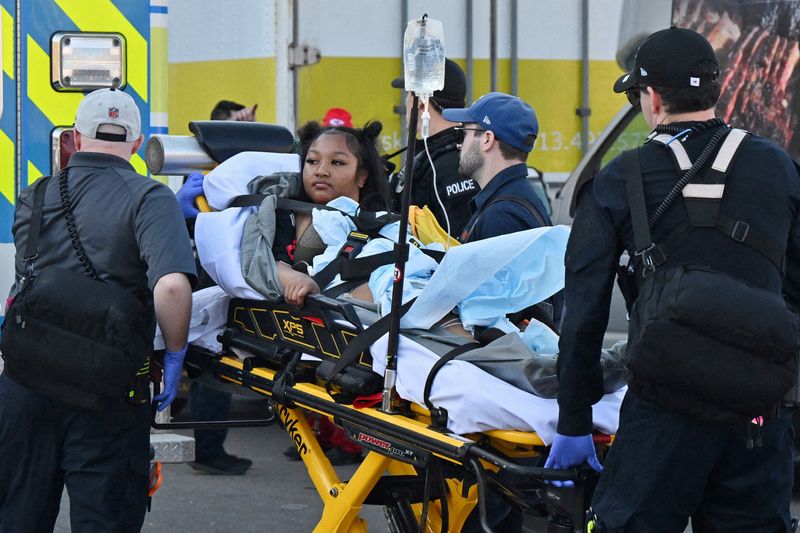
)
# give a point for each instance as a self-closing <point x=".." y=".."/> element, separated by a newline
<point x="668" y="463"/>
<point x="455" y="190"/>
<point x="496" y="135"/>
<point x="134" y="235"/>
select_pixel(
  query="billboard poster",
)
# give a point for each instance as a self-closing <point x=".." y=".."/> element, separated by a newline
<point x="757" y="47"/>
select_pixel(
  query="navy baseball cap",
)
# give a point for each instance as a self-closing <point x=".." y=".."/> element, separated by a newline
<point x="508" y="117"/>
<point x="672" y="58"/>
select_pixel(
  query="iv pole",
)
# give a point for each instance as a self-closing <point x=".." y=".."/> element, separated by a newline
<point x="389" y="401"/>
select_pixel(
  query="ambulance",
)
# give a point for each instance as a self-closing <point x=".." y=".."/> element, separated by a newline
<point x="51" y="53"/>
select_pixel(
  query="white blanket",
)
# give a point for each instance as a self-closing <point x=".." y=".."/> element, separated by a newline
<point x="477" y="401"/>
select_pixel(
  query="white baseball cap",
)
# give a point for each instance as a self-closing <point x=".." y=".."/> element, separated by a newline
<point x="112" y="107"/>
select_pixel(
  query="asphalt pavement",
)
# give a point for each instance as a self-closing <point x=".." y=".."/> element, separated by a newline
<point x="274" y="496"/>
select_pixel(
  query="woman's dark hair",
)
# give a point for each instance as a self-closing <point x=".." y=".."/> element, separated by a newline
<point x="363" y="144"/>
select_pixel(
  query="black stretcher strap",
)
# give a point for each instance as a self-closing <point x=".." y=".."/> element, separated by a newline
<point x="365" y="339"/>
<point x="356" y="271"/>
<point x="362" y="267"/>
<point x="352" y="269"/>
<point x="439" y="414"/>
<point x="341" y="288"/>
<point x="359" y="269"/>
<point x="364" y="220"/>
<point x="326" y="275"/>
<point x="349" y="250"/>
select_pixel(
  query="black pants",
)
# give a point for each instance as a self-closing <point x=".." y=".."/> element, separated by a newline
<point x="208" y="404"/>
<point x="665" y="468"/>
<point x="102" y="459"/>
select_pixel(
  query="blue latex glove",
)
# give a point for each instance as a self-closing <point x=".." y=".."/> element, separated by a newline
<point x="567" y="452"/>
<point x="173" y="366"/>
<point x="191" y="189"/>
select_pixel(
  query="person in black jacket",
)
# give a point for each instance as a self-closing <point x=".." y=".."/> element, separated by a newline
<point x="455" y="191"/>
<point x="669" y="463"/>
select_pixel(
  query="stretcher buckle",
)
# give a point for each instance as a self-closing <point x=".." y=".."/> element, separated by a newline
<point x="439" y="418"/>
<point x="354" y="244"/>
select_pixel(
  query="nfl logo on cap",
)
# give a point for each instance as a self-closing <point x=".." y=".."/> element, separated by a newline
<point x="113" y="112"/>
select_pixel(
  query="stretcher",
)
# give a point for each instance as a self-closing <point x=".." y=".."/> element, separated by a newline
<point x="426" y="477"/>
<point x="418" y="473"/>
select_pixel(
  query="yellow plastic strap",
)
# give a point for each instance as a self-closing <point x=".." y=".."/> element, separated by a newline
<point x="427" y="229"/>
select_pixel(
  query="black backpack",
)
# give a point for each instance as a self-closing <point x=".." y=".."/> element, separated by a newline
<point x="69" y="335"/>
<point x="703" y="342"/>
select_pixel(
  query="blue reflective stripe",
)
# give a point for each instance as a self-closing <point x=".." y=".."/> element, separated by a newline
<point x="159" y="9"/>
<point x="136" y="13"/>
<point x="158" y="129"/>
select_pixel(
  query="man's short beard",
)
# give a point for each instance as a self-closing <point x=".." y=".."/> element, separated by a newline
<point x="470" y="161"/>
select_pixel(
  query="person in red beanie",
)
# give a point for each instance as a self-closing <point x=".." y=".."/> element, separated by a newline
<point x="337" y="116"/>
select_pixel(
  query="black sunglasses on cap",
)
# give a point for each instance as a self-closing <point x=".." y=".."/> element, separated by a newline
<point x="461" y="133"/>
<point x="634" y="95"/>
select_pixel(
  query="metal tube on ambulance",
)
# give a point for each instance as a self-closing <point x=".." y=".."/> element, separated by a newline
<point x="176" y="155"/>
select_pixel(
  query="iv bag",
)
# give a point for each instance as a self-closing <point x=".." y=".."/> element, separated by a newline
<point x="423" y="56"/>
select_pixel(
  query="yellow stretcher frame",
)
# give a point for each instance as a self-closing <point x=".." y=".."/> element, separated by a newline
<point x="342" y="500"/>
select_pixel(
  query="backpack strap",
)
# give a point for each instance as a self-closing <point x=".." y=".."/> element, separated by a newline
<point x="526" y="204"/>
<point x="506" y="198"/>
<point x="645" y="250"/>
<point x="679" y="155"/>
<point x="35" y="222"/>
<point x="727" y="153"/>
<point x="702" y="202"/>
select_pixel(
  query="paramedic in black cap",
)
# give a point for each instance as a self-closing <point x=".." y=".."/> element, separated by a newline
<point x="679" y="454"/>
<point x="455" y="191"/>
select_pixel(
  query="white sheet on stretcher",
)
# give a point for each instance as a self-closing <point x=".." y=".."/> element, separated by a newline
<point x="475" y="400"/>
